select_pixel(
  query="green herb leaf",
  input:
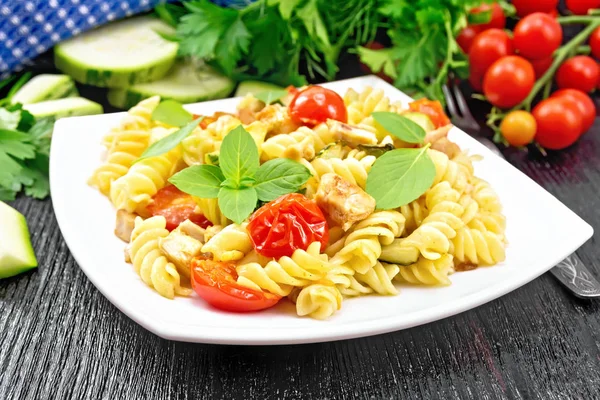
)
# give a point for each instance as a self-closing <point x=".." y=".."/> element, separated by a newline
<point x="172" y="113"/>
<point x="278" y="177"/>
<point x="239" y="155"/>
<point x="202" y="181"/>
<point x="400" y="176"/>
<point x="233" y="46"/>
<point x="237" y="204"/>
<point x="310" y="16"/>
<point x="169" y="142"/>
<point x="271" y="96"/>
<point x="9" y="119"/>
<point x="399" y="126"/>
<point x="378" y="60"/>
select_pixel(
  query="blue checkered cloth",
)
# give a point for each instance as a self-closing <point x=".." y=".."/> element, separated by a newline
<point x="30" y="27"/>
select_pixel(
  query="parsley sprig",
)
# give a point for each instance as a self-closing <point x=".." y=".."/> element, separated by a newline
<point x="239" y="181"/>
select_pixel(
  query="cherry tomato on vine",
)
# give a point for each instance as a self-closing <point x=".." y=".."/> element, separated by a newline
<point x="215" y="282"/>
<point x="487" y="47"/>
<point x="541" y="66"/>
<point x="583" y="102"/>
<point x="537" y="36"/>
<point x="497" y="20"/>
<point x="288" y="223"/>
<point x="176" y="207"/>
<point x="316" y="104"/>
<point x="581" y="7"/>
<point x="595" y="43"/>
<point x="508" y="81"/>
<point x="466" y="36"/>
<point x="558" y="123"/>
<point x="579" y="72"/>
<point x="518" y="128"/>
<point x="526" y="7"/>
<point x="433" y="109"/>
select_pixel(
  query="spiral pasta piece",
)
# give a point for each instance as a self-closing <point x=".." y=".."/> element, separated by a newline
<point x="427" y="272"/>
<point x="414" y="213"/>
<point x="210" y="209"/>
<point x="142" y="181"/>
<point x="149" y="261"/>
<point x="379" y="278"/>
<point x="318" y="301"/>
<point x="362" y="105"/>
<point x="362" y="244"/>
<point x="448" y="171"/>
<point x="281" y="276"/>
<point x="230" y="244"/>
<point x="478" y="247"/>
<point x="485" y="196"/>
<point x="138" y="118"/>
<point x="304" y="143"/>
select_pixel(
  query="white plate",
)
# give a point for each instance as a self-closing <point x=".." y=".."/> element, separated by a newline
<point x="541" y="231"/>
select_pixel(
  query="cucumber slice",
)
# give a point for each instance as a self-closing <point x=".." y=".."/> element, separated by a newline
<point x="186" y="83"/>
<point x="16" y="253"/>
<point x="60" y="108"/>
<point x="120" y="54"/>
<point x="254" y="87"/>
<point x="421" y="119"/>
<point x="45" y="87"/>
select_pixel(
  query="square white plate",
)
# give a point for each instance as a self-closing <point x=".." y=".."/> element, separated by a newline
<point x="541" y="232"/>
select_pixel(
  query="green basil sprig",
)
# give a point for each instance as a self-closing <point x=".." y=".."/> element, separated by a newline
<point x="169" y="142"/>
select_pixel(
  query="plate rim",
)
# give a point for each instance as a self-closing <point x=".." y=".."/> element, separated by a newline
<point x="265" y="336"/>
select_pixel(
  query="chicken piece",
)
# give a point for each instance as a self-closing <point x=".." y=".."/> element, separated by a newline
<point x="345" y="203"/>
<point x="124" y="225"/>
<point x="189" y="228"/>
<point x="446" y="146"/>
<point x="277" y="119"/>
<point x="248" y="107"/>
<point x="437" y="134"/>
<point x="180" y="249"/>
<point x="352" y="135"/>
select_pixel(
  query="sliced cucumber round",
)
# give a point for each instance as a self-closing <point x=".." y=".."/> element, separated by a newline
<point x="68" y="107"/>
<point x="120" y="54"/>
<point x="185" y="83"/>
<point x="421" y="119"/>
<point x="16" y="253"/>
<point x="254" y="87"/>
<point x="45" y="87"/>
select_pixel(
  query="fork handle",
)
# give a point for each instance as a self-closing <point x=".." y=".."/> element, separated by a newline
<point x="573" y="273"/>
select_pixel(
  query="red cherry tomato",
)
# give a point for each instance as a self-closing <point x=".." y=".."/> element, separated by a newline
<point x="579" y="72"/>
<point x="487" y="47"/>
<point x="466" y="36"/>
<point x="541" y="66"/>
<point x="433" y="109"/>
<point x="497" y="20"/>
<point x="583" y="102"/>
<point x="508" y="81"/>
<point x="215" y="282"/>
<point x="176" y="207"/>
<point x="581" y="7"/>
<point x="526" y="7"/>
<point x="537" y="36"/>
<point x="288" y="223"/>
<point x="316" y="104"/>
<point x="558" y="123"/>
<point x="595" y="43"/>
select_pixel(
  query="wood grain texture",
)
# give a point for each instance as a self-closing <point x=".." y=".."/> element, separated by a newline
<point x="60" y="338"/>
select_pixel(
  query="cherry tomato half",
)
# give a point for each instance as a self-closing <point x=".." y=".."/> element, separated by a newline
<point x="526" y="7"/>
<point x="215" y="282"/>
<point x="558" y="123"/>
<point x="595" y="43"/>
<point x="537" y="36"/>
<point x="518" y="128"/>
<point x="487" y="47"/>
<point x="581" y="7"/>
<point x="497" y="19"/>
<point x="176" y="207"/>
<point x="316" y="104"/>
<point x="508" y="81"/>
<point x="288" y="223"/>
<point x="466" y="36"/>
<point x="433" y="109"/>
<point x="579" y="72"/>
<point x="583" y="102"/>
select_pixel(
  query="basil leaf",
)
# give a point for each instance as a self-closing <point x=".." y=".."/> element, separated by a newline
<point x="400" y="176"/>
<point x="237" y="204"/>
<point x="399" y="126"/>
<point x="169" y="142"/>
<point x="239" y="155"/>
<point x="278" y="177"/>
<point x="172" y="113"/>
<point x="271" y="96"/>
<point x="199" y="180"/>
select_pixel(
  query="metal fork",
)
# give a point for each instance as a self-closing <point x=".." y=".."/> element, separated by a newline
<point x="571" y="272"/>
